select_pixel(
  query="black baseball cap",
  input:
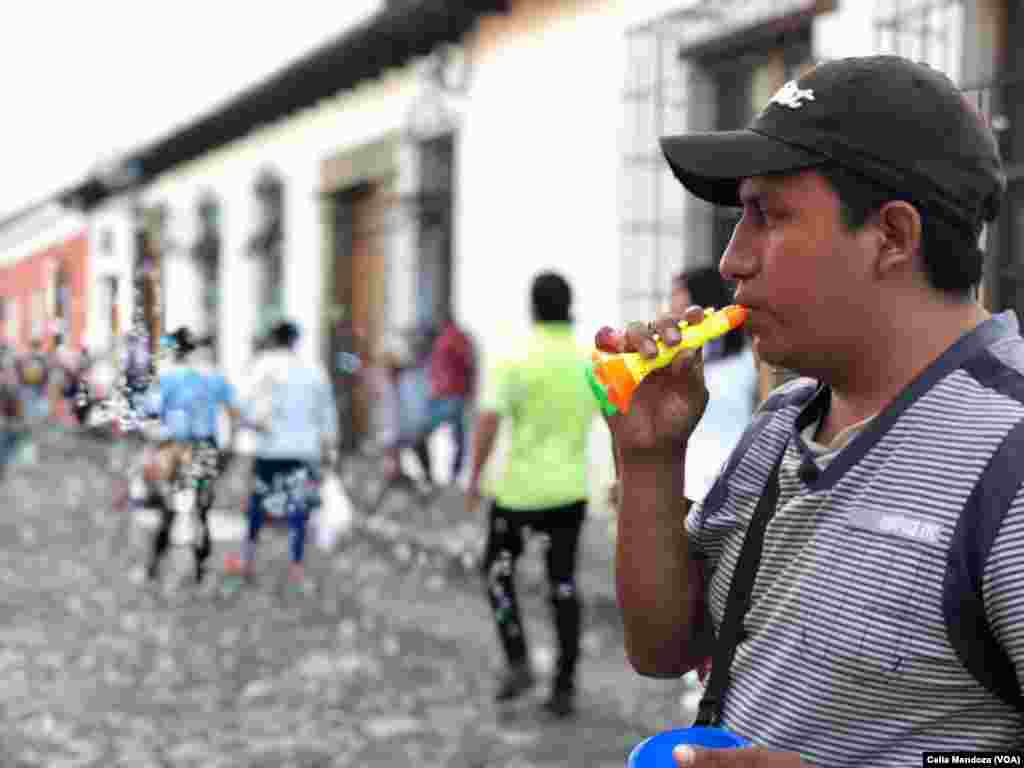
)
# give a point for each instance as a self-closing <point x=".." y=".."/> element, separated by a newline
<point x="899" y="123"/>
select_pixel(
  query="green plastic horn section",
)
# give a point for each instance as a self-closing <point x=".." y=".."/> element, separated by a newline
<point x="599" y="391"/>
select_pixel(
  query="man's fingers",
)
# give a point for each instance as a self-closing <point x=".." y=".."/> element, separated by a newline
<point x="609" y="340"/>
<point x="693" y="315"/>
<point x="640" y="338"/>
<point x="667" y="327"/>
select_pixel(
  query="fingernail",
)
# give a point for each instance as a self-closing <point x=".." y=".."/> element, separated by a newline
<point x="684" y="755"/>
<point x="650" y="348"/>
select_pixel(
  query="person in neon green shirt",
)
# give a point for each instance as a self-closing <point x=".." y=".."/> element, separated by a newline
<point x="541" y="392"/>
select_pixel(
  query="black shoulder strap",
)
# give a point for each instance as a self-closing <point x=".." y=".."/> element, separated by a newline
<point x="963" y="603"/>
<point x="730" y="634"/>
<point x="756" y="431"/>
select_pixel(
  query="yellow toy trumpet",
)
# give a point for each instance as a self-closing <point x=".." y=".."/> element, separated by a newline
<point x="614" y="377"/>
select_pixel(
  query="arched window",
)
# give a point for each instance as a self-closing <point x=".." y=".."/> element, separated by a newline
<point x="266" y="245"/>
<point x="434" y="278"/>
<point x="206" y="255"/>
<point x="148" y="316"/>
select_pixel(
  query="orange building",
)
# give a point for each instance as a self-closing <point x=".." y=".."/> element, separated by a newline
<point x="43" y="295"/>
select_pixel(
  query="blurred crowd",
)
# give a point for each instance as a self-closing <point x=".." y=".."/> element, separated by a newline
<point x="41" y="385"/>
<point x="419" y="381"/>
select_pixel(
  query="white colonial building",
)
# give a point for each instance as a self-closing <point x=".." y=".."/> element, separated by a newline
<point x="439" y="154"/>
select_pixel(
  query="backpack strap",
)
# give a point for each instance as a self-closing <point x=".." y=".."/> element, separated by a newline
<point x="963" y="603"/>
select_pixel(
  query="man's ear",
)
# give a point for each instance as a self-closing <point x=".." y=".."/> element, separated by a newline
<point x="899" y="226"/>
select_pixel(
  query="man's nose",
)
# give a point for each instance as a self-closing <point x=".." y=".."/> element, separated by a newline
<point x="739" y="260"/>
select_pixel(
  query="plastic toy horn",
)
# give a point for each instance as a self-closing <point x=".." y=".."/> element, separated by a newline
<point x="613" y="378"/>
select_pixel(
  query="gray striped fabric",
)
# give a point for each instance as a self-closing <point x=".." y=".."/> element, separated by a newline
<point x="846" y="659"/>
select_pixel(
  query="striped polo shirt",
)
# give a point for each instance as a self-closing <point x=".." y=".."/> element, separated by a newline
<point x="845" y="657"/>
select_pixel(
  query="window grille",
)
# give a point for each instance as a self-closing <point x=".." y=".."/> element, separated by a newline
<point x="1001" y="103"/>
<point x="652" y="202"/>
<point x="206" y="254"/>
<point x="663" y="230"/>
<point x="267" y="245"/>
<point x="930" y="31"/>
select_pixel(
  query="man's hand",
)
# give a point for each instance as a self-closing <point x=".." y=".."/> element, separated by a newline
<point x="668" y="403"/>
<point x="743" y="757"/>
<point x="484" y="434"/>
<point x="473" y="497"/>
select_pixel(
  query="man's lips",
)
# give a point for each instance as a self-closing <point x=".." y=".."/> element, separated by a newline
<point x="755" y="313"/>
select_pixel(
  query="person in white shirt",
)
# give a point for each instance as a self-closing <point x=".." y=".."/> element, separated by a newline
<point x="293" y="405"/>
<point x="731" y="375"/>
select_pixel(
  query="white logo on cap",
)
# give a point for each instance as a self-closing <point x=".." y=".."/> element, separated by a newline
<point x="791" y="96"/>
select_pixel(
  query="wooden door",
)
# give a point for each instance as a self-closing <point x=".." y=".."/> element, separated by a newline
<point x="359" y="280"/>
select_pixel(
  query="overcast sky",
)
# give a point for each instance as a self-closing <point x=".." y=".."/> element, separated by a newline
<point x="84" y="80"/>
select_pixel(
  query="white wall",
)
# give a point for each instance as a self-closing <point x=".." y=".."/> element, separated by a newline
<point x="846" y="31"/>
<point x="538" y="166"/>
<point x="294" y="149"/>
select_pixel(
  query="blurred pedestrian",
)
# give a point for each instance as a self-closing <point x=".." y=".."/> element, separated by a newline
<point x="414" y="403"/>
<point x="390" y="357"/>
<point x="730" y="372"/>
<point x="34" y="373"/>
<point x="74" y="376"/>
<point x="541" y="394"/>
<point x="351" y="359"/>
<point x="137" y="373"/>
<point x="294" y="405"/>
<point x="398" y="385"/>
<point x="10" y="406"/>
<point x="452" y="377"/>
<point x="188" y="397"/>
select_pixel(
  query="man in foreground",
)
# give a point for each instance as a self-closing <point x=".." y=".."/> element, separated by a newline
<point x="890" y="574"/>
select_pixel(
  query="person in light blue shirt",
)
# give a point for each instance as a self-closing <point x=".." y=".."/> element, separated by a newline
<point x="188" y="398"/>
<point x="293" y="404"/>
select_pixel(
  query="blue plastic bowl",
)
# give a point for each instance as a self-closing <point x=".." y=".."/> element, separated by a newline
<point x="656" y="751"/>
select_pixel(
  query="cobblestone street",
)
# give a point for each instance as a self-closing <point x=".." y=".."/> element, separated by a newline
<point x="389" y="662"/>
